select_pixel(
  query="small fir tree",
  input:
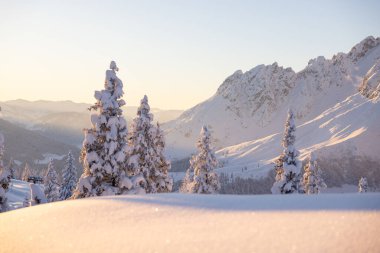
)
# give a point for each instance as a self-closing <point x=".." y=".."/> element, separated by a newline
<point x="146" y="151"/>
<point x="4" y="179"/>
<point x="312" y="178"/>
<point x="287" y="175"/>
<point x="26" y="173"/>
<point x="187" y="181"/>
<point x="279" y="170"/>
<point x="105" y="144"/>
<point x="363" y="185"/>
<point x="12" y="169"/>
<point x="164" y="183"/>
<point x="202" y="166"/>
<point x="51" y="184"/>
<point x="69" y="178"/>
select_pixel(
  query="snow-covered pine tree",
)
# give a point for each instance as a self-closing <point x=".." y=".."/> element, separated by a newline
<point x="105" y="144"/>
<point x="146" y="151"/>
<point x="51" y="183"/>
<point x="287" y="177"/>
<point x="363" y="185"/>
<point x="202" y="166"/>
<point x="69" y="178"/>
<point x="187" y="181"/>
<point x="312" y="178"/>
<point x="12" y="169"/>
<point x="279" y="170"/>
<point x="4" y="179"/>
<point x="164" y="183"/>
<point x="26" y="173"/>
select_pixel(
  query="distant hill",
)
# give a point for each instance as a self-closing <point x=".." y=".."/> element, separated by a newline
<point x="64" y="120"/>
<point x="29" y="146"/>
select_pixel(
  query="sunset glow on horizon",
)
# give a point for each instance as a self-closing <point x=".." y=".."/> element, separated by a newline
<point x="176" y="52"/>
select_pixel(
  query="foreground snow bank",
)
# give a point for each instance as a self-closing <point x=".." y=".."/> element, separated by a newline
<point x="197" y="223"/>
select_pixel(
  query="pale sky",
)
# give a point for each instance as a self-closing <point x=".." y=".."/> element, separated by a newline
<point x="177" y="52"/>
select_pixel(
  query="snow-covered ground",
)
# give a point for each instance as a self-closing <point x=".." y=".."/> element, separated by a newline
<point x="197" y="223"/>
<point x="18" y="190"/>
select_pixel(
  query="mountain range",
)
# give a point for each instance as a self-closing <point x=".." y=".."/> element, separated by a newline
<point x="28" y="146"/>
<point x="336" y="102"/>
<point x="63" y="120"/>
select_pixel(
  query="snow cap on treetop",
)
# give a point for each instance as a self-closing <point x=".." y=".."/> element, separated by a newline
<point x="144" y="104"/>
<point x="204" y="130"/>
<point x="205" y="133"/>
<point x="113" y="66"/>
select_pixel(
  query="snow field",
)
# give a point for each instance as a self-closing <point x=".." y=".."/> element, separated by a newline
<point x="197" y="223"/>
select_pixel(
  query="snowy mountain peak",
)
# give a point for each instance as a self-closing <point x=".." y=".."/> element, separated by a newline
<point x="253" y="104"/>
<point x="257" y="92"/>
<point x="320" y="60"/>
<point x="361" y="49"/>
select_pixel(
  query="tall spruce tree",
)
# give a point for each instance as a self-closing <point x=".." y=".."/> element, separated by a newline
<point x="363" y="185"/>
<point x="146" y="151"/>
<point x="202" y="166"/>
<point x="51" y="184"/>
<point x="105" y="144"/>
<point x="312" y="178"/>
<point x="69" y="178"/>
<point x="4" y="179"/>
<point x="287" y="175"/>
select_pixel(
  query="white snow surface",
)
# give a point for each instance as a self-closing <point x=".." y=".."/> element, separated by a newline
<point x="18" y="190"/>
<point x="37" y="195"/>
<point x="197" y="223"/>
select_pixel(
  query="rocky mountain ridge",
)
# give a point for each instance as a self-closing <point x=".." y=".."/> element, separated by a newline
<point x="253" y="104"/>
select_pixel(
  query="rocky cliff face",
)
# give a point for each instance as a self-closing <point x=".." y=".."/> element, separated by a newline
<point x="361" y="49"/>
<point x="370" y="86"/>
<point x="259" y="92"/>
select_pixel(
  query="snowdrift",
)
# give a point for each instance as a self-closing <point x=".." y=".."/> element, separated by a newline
<point x="197" y="223"/>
